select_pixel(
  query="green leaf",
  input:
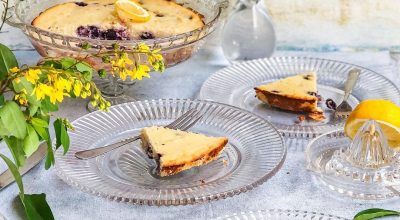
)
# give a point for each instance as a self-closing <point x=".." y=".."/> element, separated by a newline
<point x="65" y="139"/>
<point x="45" y="135"/>
<point x="16" y="148"/>
<point x="47" y="106"/>
<point x="36" y="207"/>
<point x="86" y="46"/>
<point x="86" y="70"/>
<point x="31" y="142"/>
<point x="42" y="132"/>
<point x="49" y="157"/>
<point x="15" y="173"/>
<point x="7" y="61"/>
<point x="23" y="84"/>
<point x="33" y="109"/>
<point x="67" y="62"/>
<point x="53" y="63"/>
<point x="57" y="128"/>
<point x="102" y="73"/>
<point x="39" y="122"/>
<point x="3" y="130"/>
<point x="375" y="213"/>
<point x="2" y="101"/>
<point x="12" y="116"/>
<point x="62" y="137"/>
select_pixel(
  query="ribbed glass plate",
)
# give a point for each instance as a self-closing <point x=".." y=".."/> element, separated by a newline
<point x="255" y="152"/>
<point x="235" y="84"/>
<point x="278" y="214"/>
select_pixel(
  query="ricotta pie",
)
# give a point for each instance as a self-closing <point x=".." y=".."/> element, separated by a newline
<point x="98" y="19"/>
<point x="295" y="93"/>
<point x="175" y="150"/>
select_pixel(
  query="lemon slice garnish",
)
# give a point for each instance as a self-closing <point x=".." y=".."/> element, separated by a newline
<point x="385" y="112"/>
<point x="129" y="10"/>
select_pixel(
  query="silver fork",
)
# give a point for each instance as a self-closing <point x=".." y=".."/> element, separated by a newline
<point x="344" y="109"/>
<point x="184" y="122"/>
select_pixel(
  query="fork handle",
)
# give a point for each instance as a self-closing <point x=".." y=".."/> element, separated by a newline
<point x="88" y="154"/>
<point x="351" y="82"/>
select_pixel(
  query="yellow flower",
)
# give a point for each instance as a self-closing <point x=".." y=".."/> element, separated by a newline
<point x="158" y="57"/>
<point x="62" y="84"/>
<point x="32" y="75"/>
<point x="42" y="90"/>
<point x="21" y="98"/>
<point x="77" y="88"/>
<point x="143" y="47"/>
<point x="84" y="95"/>
<point x="52" y="76"/>
<point x="142" y="71"/>
<point x="87" y="86"/>
<point x="126" y="59"/>
<point x="123" y="74"/>
<point x="14" y="69"/>
<point x="56" y="95"/>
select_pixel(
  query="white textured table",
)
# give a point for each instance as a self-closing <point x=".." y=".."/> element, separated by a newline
<point x="292" y="188"/>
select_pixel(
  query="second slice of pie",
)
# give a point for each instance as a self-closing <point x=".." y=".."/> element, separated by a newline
<point x="295" y="93"/>
<point x="175" y="150"/>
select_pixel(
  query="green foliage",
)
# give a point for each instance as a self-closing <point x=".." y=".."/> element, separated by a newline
<point x="2" y="100"/>
<point x="374" y="214"/>
<point x="15" y="173"/>
<point x="38" y="90"/>
<point x="62" y="137"/>
<point x="16" y="148"/>
<point x="12" y="116"/>
<point x="31" y="141"/>
<point x="36" y="207"/>
<point x="7" y="61"/>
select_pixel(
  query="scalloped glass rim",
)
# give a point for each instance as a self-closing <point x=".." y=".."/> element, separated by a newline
<point x="293" y="214"/>
<point x="222" y="86"/>
<point x="364" y="186"/>
<point x="28" y="28"/>
<point x="269" y="149"/>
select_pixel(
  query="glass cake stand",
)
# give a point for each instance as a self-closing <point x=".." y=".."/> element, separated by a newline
<point x="175" y="49"/>
<point x="363" y="168"/>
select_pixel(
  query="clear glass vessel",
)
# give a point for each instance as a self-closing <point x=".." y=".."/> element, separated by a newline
<point x="363" y="168"/>
<point x="175" y="49"/>
<point x="234" y="85"/>
<point x="280" y="214"/>
<point x="255" y="147"/>
<point x="248" y="32"/>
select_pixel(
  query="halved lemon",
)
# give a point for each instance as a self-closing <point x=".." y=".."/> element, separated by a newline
<point x="130" y="10"/>
<point x="385" y="112"/>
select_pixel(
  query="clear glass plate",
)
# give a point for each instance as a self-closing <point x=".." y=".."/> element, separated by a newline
<point x="255" y="147"/>
<point x="278" y="214"/>
<point x="234" y="85"/>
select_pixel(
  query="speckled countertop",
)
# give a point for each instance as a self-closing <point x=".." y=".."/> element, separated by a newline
<point x="292" y="188"/>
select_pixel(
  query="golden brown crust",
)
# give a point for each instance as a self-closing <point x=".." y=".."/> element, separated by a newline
<point x="293" y="96"/>
<point x="318" y="116"/>
<point x="287" y="102"/>
<point x="203" y="159"/>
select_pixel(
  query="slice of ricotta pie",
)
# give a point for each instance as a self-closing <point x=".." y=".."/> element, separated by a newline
<point x="295" y="93"/>
<point x="175" y="150"/>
